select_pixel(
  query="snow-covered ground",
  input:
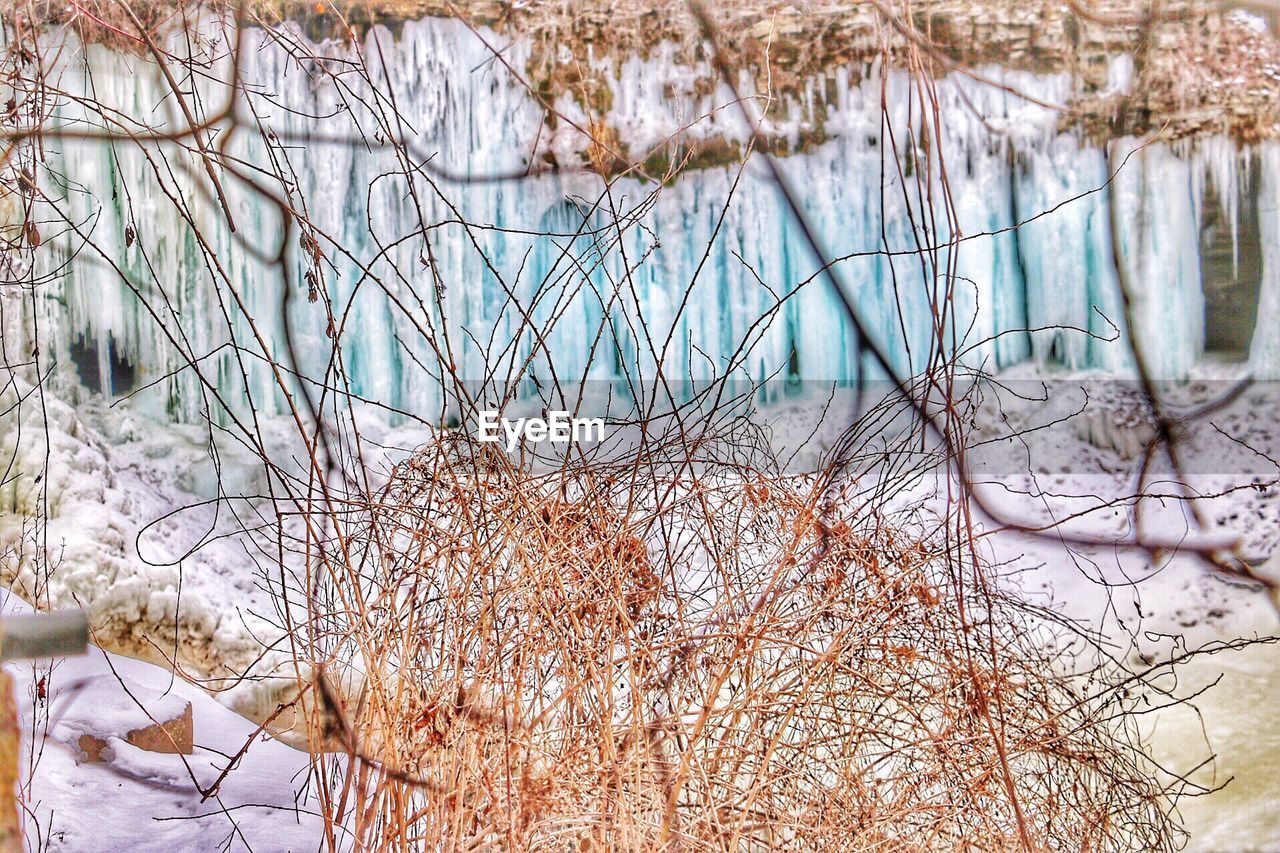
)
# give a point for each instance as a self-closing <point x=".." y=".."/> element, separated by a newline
<point x="140" y="800"/>
<point x="1152" y="608"/>
<point x="112" y="473"/>
<point x="134" y="518"/>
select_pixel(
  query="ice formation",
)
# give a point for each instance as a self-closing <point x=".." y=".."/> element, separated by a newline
<point x="143" y="296"/>
<point x="121" y="522"/>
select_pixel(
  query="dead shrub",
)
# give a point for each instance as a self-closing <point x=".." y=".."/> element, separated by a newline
<point x="604" y="658"/>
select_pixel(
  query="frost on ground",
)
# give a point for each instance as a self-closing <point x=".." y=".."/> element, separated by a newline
<point x="1077" y="472"/>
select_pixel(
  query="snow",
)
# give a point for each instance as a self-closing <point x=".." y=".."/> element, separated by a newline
<point x="1151" y="607"/>
<point x="143" y="800"/>
<point x="1147" y="609"/>
<point x="141" y="529"/>
<point x="107" y="709"/>
<point x="1244" y="18"/>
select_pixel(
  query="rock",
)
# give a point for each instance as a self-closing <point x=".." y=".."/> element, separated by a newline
<point x="170" y="736"/>
<point x="110" y="709"/>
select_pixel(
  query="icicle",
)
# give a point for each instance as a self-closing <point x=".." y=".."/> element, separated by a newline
<point x="1006" y="164"/>
<point x="1264" y="355"/>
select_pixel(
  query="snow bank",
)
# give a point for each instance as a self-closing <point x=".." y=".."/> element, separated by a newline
<point x="145" y="800"/>
<point x="165" y="574"/>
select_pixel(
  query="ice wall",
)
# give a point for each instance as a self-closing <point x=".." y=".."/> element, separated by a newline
<point x="1266" y="336"/>
<point x="427" y="276"/>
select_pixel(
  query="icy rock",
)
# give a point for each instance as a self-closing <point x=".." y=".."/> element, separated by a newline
<point x="146" y="593"/>
<point x="106" y="710"/>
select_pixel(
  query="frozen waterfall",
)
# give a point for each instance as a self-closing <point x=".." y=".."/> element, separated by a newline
<point x="643" y="278"/>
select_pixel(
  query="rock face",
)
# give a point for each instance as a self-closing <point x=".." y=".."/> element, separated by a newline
<point x="1199" y="67"/>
